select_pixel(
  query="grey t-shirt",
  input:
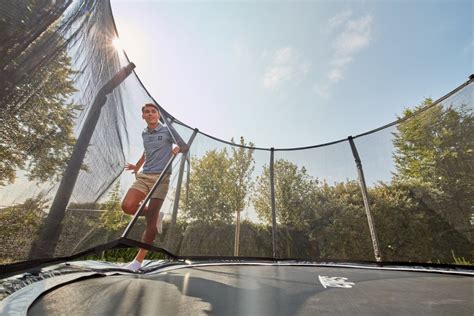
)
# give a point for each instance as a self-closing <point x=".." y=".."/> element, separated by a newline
<point x="158" y="144"/>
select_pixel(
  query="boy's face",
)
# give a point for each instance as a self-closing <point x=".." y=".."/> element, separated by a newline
<point x="151" y="115"/>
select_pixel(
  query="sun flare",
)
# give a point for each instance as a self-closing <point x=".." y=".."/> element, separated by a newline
<point x="116" y="43"/>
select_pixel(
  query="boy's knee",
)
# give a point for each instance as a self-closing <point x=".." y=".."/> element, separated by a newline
<point x="128" y="207"/>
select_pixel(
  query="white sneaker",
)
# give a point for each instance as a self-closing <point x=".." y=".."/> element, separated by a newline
<point x="134" y="265"/>
<point x="159" y="222"/>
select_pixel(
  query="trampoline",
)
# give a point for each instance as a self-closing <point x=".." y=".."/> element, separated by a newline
<point x="245" y="288"/>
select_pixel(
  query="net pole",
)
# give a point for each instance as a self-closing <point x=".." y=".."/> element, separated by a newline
<point x="365" y="197"/>
<point x="182" y="166"/>
<point x="272" y="197"/>
<point x="45" y="245"/>
<point x="180" y="179"/>
<point x="169" y="120"/>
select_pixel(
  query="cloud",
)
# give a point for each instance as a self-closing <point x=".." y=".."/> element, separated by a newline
<point x="335" y="75"/>
<point x="339" y="19"/>
<point x="276" y="75"/>
<point x="283" y="56"/>
<point x="355" y="36"/>
<point x="285" y="65"/>
<point x="351" y="35"/>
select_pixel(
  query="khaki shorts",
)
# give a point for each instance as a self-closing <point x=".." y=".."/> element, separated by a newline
<point x="145" y="181"/>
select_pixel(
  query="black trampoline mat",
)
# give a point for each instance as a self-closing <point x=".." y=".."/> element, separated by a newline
<point x="263" y="290"/>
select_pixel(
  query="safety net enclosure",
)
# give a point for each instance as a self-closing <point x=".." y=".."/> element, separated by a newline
<point x="70" y="119"/>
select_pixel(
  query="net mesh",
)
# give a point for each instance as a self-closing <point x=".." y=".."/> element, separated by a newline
<point x="56" y="58"/>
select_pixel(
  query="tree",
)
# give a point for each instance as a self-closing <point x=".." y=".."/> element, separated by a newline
<point x="36" y="114"/>
<point x="102" y="227"/>
<point x="219" y="184"/>
<point x="114" y="218"/>
<point x="292" y="191"/>
<point x="293" y="188"/>
<point x="241" y="168"/>
<point x="336" y="222"/>
<point x="207" y="189"/>
<point x="409" y="230"/>
<point x="434" y="149"/>
<point x="20" y="225"/>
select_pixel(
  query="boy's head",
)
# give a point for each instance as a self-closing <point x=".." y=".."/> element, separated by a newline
<point x="151" y="114"/>
<point x="150" y="104"/>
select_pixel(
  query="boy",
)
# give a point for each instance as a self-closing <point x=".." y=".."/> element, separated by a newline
<point x="158" y="145"/>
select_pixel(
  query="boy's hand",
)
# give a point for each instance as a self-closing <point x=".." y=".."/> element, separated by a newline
<point x="176" y="150"/>
<point x="131" y="167"/>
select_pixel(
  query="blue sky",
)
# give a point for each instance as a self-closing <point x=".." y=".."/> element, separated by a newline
<point x="290" y="74"/>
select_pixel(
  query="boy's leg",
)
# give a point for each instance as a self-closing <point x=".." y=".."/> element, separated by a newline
<point x="151" y="217"/>
<point x="132" y="200"/>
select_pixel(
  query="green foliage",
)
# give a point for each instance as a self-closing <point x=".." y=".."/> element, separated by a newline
<point x="415" y="213"/>
<point x="240" y="170"/>
<point x="255" y="240"/>
<point x="293" y="189"/>
<point x="401" y="225"/>
<point x="114" y="218"/>
<point x="410" y="229"/>
<point x="201" y="238"/>
<point x="421" y="215"/>
<point x="461" y="261"/>
<point x="205" y="238"/>
<point x="19" y="226"/>
<point x="331" y="217"/>
<point x="435" y="150"/>
<point x="84" y="206"/>
<point x="337" y="222"/>
<point x="207" y="196"/>
<point x="218" y="185"/>
<point x="37" y="116"/>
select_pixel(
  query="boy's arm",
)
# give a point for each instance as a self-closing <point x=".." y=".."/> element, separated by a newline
<point x="140" y="161"/>
<point x="137" y="166"/>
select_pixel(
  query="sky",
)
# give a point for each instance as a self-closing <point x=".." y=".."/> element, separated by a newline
<point x="287" y="74"/>
<point x="291" y="73"/>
